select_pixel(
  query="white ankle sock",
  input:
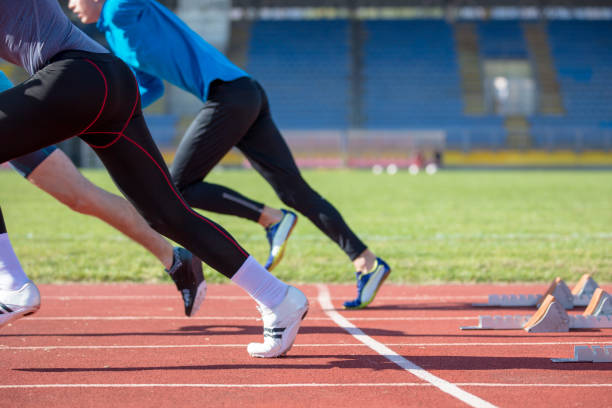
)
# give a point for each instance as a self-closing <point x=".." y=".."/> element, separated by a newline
<point x="12" y="276"/>
<point x="264" y="287"/>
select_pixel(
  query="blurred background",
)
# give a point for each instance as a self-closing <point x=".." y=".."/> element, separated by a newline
<point x="462" y="83"/>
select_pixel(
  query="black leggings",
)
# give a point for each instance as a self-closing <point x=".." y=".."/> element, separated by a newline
<point x="95" y="97"/>
<point x="2" y="226"/>
<point x="237" y="113"/>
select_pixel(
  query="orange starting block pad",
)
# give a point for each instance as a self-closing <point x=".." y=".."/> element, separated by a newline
<point x="551" y="316"/>
<point x="580" y="295"/>
<point x="586" y="354"/>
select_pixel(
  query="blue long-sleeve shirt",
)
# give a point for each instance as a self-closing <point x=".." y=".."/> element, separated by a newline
<point x="157" y="45"/>
<point x="5" y="83"/>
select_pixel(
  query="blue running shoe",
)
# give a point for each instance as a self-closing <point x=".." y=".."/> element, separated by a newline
<point x="368" y="285"/>
<point x="277" y="235"/>
<point x="186" y="272"/>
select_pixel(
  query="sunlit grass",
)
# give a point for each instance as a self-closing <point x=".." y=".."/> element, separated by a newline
<point x="453" y="226"/>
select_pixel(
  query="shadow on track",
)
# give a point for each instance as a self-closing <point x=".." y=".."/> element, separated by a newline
<point x="346" y="361"/>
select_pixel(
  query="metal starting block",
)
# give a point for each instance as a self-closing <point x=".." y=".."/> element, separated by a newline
<point x="499" y="323"/>
<point x="584" y="290"/>
<point x="588" y="354"/>
<point x="580" y="295"/>
<point x="590" y="322"/>
<point x="550" y="317"/>
<point x="511" y="301"/>
<point x="600" y="305"/>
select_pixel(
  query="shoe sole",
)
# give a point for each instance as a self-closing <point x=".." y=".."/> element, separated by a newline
<point x="365" y="304"/>
<point x="11" y="317"/>
<point x="280" y="255"/>
<point x="199" y="298"/>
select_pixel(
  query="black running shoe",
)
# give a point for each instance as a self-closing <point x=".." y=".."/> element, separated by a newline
<point x="186" y="272"/>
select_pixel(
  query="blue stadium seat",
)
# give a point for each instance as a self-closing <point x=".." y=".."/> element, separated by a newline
<point x="304" y="67"/>
<point x="411" y="78"/>
<point x="501" y="39"/>
<point x="162" y="128"/>
<point x="583" y="63"/>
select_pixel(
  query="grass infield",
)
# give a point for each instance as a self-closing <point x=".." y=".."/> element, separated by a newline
<point x="455" y="226"/>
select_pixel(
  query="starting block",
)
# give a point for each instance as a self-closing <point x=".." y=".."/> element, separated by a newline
<point x="600" y="305"/>
<point x="550" y="317"/>
<point x="584" y="290"/>
<point x="586" y="354"/>
<point x="580" y="295"/>
<point x="499" y="323"/>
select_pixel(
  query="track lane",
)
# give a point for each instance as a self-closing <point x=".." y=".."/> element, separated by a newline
<point x="321" y="367"/>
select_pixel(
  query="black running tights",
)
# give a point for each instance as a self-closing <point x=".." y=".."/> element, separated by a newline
<point x="95" y="97"/>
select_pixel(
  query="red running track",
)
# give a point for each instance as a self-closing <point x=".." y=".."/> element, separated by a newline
<point x="130" y="346"/>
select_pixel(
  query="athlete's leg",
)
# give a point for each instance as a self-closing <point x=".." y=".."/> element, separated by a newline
<point x="133" y="161"/>
<point x="58" y="176"/>
<point x="53" y="172"/>
<point x="269" y="154"/>
<point x="267" y="151"/>
<point x="95" y="95"/>
<point x="225" y="117"/>
<point x="116" y="129"/>
<point x="18" y="295"/>
<point x="12" y="275"/>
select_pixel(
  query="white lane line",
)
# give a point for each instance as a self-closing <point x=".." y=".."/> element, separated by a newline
<point x="171" y="346"/>
<point x="416" y="318"/>
<point x="297" y="385"/>
<point x="583" y="385"/>
<point x="445" y="386"/>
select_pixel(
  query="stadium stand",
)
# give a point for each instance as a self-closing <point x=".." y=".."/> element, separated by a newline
<point x="583" y="63"/>
<point x="412" y="80"/>
<point x="501" y="39"/>
<point x="304" y="68"/>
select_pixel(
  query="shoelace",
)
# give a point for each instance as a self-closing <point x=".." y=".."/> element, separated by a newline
<point x="361" y="282"/>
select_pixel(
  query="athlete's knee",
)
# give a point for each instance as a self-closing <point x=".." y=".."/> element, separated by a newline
<point x="159" y="224"/>
<point x="297" y="194"/>
<point x="179" y="180"/>
<point x="165" y="222"/>
<point x="194" y="194"/>
<point x="77" y="202"/>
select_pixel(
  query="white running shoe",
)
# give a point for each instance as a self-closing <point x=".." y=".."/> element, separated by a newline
<point x="18" y="303"/>
<point x="281" y="325"/>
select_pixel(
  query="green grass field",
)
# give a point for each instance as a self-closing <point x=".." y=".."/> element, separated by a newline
<point x="455" y="226"/>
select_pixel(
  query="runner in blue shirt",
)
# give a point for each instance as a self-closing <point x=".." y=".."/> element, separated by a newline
<point x="158" y="46"/>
